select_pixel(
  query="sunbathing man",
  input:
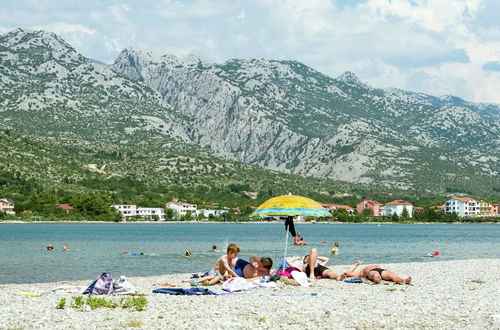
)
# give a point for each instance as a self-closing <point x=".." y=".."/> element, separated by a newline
<point x="255" y="268"/>
<point x="313" y="269"/>
<point x="375" y="274"/>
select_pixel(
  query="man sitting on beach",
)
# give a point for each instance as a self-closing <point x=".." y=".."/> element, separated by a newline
<point x="314" y="269"/>
<point x="376" y="274"/>
<point x="255" y="267"/>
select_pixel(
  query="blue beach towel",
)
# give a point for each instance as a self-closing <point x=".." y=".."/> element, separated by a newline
<point x="181" y="291"/>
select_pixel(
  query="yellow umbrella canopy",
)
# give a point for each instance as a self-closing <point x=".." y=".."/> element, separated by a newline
<point x="290" y="205"/>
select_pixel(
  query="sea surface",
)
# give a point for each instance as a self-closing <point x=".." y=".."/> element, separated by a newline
<point x="99" y="247"/>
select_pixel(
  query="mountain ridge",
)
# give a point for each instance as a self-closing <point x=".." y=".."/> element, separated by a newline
<point x="281" y="115"/>
<point x="250" y="81"/>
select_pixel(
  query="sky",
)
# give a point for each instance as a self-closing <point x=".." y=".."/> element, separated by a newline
<point x="437" y="47"/>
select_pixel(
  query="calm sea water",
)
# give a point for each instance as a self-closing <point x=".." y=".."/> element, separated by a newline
<point x="96" y="248"/>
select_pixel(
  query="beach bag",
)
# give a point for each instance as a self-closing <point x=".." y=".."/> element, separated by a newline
<point x="102" y="285"/>
<point x="237" y="284"/>
<point x="287" y="271"/>
<point x="122" y="286"/>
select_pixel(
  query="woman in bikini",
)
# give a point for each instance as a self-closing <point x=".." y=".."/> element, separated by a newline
<point x="375" y="273"/>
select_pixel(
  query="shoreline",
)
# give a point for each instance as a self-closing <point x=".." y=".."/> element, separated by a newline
<point x="443" y="294"/>
<point x="242" y="222"/>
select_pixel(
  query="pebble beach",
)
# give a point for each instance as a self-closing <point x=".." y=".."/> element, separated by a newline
<point x="460" y="294"/>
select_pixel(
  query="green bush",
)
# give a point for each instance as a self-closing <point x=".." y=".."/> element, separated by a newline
<point x="61" y="303"/>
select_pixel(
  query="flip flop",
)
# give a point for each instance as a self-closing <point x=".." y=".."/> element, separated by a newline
<point x="300" y="277"/>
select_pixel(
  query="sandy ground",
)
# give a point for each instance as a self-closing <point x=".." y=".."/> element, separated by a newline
<point x="444" y="295"/>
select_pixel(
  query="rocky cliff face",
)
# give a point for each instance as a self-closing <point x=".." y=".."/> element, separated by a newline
<point x="286" y="116"/>
<point x="281" y="115"/>
<point x="50" y="89"/>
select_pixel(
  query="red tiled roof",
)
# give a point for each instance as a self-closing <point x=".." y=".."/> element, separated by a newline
<point x="347" y="207"/>
<point x="463" y="199"/>
<point x="398" y="202"/>
<point x="178" y="203"/>
<point x="338" y="206"/>
<point x="371" y="202"/>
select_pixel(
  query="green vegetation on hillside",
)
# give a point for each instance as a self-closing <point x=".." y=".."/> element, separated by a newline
<point x="38" y="175"/>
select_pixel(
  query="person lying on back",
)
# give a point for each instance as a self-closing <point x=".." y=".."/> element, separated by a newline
<point x="314" y="269"/>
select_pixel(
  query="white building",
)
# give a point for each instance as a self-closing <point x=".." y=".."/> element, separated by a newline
<point x="463" y="206"/>
<point x="7" y="206"/>
<point x="207" y="212"/>
<point x="128" y="211"/>
<point x="397" y="207"/>
<point x="151" y="213"/>
<point x="182" y="209"/>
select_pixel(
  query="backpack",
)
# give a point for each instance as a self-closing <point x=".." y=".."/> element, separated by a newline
<point x="102" y="285"/>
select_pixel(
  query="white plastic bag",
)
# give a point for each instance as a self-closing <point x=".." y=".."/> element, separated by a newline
<point x="123" y="286"/>
<point x="237" y="284"/>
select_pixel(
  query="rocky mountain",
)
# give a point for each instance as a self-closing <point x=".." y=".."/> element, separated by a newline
<point x="50" y="89"/>
<point x="286" y="116"/>
<point x="281" y="115"/>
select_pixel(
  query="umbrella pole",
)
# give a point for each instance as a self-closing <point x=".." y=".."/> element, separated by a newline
<point x="286" y="246"/>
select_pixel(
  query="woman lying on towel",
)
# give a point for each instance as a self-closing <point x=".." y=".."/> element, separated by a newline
<point x="376" y="274"/>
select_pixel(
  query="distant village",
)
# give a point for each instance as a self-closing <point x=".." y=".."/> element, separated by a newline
<point x="463" y="207"/>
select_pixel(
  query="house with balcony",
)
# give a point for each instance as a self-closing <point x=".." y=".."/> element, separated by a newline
<point x="485" y="209"/>
<point x="7" y="206"/>
<point x="463" y="206"/>
<point x="397" y="207"/>
<point x="147" y="213"/>
<point x="376" y="207"/>
<point x="128" y="211"/>
<point x="151" y="213"/>
<point x="181" y="209"/>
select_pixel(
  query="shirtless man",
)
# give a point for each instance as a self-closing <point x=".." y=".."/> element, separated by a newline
<point x="313" y="269"/>
<point x="375" y="274"/>
<point x="255" y="268"/>
<point x="299" y="240"/>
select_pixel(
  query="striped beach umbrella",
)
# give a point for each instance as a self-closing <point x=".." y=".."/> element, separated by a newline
<point x="290" y="205"/>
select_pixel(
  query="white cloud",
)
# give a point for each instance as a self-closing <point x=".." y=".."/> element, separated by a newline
<point x="434" y="46"/>
<point x="77" y="35"/>
<point x="119" y="13"/>
<point x="65" y="28"/>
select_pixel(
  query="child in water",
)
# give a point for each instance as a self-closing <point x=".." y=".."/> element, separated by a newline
<point x="335" y="250"/>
